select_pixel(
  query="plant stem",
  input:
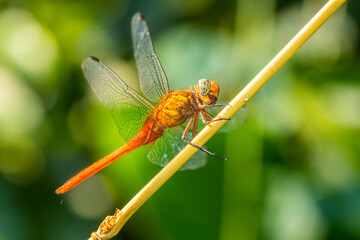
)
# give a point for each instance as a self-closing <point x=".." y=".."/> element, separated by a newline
<point x="112" y="224"/>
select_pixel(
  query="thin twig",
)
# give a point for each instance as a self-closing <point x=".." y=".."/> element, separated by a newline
<point x="112" y="224"/>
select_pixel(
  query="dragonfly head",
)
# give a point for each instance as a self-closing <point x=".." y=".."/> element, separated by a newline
<point x="207" y="90"/>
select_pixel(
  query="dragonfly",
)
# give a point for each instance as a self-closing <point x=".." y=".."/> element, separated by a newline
<point x="158" y="117"/>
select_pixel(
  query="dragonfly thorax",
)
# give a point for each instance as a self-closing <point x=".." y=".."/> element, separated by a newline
<point x="207" y="90"/>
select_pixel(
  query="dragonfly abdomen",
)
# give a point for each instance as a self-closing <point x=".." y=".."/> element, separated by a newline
<point x="148" y="134"/>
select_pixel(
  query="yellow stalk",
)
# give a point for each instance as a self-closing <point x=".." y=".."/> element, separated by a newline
<point x="112" y="224"/>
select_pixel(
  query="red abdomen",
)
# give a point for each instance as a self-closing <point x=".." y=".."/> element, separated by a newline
<point x="148" y="134"/>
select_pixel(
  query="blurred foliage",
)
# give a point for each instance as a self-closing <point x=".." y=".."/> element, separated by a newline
<point x="293" y="168"/>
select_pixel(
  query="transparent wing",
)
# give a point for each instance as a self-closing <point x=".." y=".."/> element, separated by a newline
<point x="169" y="145"/>
<point x="153" y="81"/>
<point x="236" y="121"/>
<point x="128" y="108"/>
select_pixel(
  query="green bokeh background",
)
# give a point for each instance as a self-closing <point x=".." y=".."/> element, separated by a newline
<point x="293" y="169"/>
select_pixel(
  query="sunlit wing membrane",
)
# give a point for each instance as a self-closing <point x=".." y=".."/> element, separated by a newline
<point x="169" y="145"/>
<point x="128" y="108"/>
<point x="239" y="119"/>
<point x="153" y="81"/>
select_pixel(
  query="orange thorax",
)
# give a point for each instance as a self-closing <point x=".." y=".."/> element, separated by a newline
<point x="175" y="108"/>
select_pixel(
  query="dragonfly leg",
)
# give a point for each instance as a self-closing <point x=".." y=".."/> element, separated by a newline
<point x="212" y="105"/>
<point x="196" y="117"/>
<point x="202" y="106"/>
<point x="208" y="118"/>
<point x="194" y="145"/>
<point x="188" y="128"/>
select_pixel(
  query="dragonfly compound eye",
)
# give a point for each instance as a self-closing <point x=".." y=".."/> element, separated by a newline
<point x="204" y="86"/>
